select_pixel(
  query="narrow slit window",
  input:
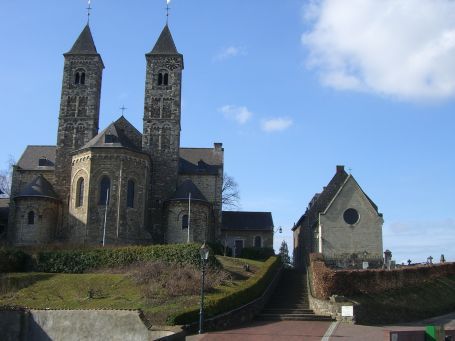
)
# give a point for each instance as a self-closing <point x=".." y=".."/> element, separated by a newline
<point x="82" y="78"/>
<point x="77" y="78"/>
<point x="80" y="192"/>
<point x="31" y="218"/>
<point x="105" y="194"/>
<point x="130" y="194"/>
<point x="185" y="221"/>
<point x="166" y="79"/>
<point x="160" y="79"/>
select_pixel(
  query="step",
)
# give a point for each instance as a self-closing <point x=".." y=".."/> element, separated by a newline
<point x="293" y="317"/>
<point x="287" y="311"/>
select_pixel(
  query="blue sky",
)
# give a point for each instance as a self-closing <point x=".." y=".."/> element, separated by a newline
<point x="292" y="88"/>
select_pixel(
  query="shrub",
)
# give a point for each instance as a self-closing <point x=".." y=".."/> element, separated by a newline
<point x="257" y="253"/>
<point x="79" y="261"/>
<point x="12" y="260"/>
<point x="159" y="278"/>
<point x="234" y="297"/>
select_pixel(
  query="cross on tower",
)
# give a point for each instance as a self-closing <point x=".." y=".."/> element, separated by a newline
<point x="89" y="8"/>
<point x="123" y="109"/>
<point x="167" y="12"/>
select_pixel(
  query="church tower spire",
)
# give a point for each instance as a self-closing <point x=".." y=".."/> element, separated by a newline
<point x="162" y="113"/>
<point x="79" y="105"/>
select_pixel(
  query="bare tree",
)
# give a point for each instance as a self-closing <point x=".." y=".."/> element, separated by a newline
<point x="230" y="193"/>
<point x="6" y="176"/>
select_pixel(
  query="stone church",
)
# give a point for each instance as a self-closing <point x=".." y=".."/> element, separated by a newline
<point x="342" y="223"/>
<point x="119" y="185"/>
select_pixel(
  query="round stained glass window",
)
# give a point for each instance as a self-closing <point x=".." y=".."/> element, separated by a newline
<point x="351" y="216"/>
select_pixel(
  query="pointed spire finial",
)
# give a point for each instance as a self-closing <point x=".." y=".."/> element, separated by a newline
<point x="89" y="8"/>
<point x="167" y="10"/>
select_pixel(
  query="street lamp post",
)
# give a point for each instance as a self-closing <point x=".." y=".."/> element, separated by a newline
<point x="204" y="252"/>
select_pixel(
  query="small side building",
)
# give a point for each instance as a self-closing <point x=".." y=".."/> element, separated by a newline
<point x="342" y="223"/>
<point x="246" y="229"/>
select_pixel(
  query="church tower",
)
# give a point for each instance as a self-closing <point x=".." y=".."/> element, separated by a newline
<point x="161" y="134"/>
<point x="79" y="108"/>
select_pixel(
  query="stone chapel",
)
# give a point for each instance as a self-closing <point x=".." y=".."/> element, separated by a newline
<point x="119" y="185"/>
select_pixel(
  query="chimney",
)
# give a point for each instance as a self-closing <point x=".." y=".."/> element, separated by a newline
<point x="218" y="146"/>
<point x="340" y="169"/>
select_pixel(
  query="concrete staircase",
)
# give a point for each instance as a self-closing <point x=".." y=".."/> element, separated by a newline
<point x="290" y="300"/>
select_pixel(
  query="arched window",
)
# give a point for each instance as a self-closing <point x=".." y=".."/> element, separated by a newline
<point x="82" y="78"/>
<point x="166" y="79"/>
<point x="257" y="241"/>
<point x="160" y="79"/>
<point x="77" y="78"/>
<point x="185" y="221"/>
<point x="80" y="192"/>
<point x="130" y="194"/>
<point x="105" y="194"/>
<point x="31" y="218"/>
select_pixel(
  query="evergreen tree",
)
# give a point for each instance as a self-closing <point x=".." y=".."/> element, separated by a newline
<point x="284" y="254"/>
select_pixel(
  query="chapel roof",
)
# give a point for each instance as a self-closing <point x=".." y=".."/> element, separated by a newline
<point x="184" y="189"/>
<point x="84" y="43"/>
<point x="118" y="134"/>
<point x="38" y="158"/>
<point x="38" y="187"/>
<point x="321" y="201"/>
<point x="237" y="220"/>
<point x="165" y="43"/>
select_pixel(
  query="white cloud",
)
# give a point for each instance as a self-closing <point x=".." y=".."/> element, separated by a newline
<point x="230" y="52"/>
<point x="404" y="49"/>
<point x="276" y="124"/>
<point x="240" y="114"/>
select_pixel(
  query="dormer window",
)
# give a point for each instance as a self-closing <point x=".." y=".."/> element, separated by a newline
<point x="44" y="162"/>
<point x="109" y="138"/>
<point x="163" y="78"/>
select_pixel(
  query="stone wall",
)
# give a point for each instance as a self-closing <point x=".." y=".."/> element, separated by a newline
<point x="200" y="222"/>
<point x="228" y="238"/>
<point x="20" y="179"/>
<point x="339" y="240"/>
<point x="45" y="217"/>
<point x="124" y="224"/>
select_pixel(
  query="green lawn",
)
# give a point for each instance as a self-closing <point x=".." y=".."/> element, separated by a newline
<point x="105" y="291"/>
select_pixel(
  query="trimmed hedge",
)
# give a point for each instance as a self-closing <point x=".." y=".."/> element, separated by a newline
<point x="79" y="261"/>
<point x="235" y="297"/>
<point x="257" y="253"/>
<point x="327" y="282"/>
<point x="12" y="260"/>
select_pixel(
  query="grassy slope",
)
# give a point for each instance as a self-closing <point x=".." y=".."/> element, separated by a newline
<point x="104" y="291"/>
<point x="409" y="304"/>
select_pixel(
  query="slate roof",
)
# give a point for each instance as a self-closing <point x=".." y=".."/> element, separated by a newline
<point x="84" y="44"/>
<point x="200" y="161"/>
<point x="120" y="133"/>
<point x="38" y="187"/>
<point x="185" y="188"/>
<point x="321" y="201"/>
<point x="165" y="43"/>
<point x="235" y="220"/>
<point x="32" y="154"/>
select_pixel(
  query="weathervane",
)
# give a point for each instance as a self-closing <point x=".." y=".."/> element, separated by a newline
<point x="167" y="10"/>
<point x="89" y="8"/>
<point x="123" y="109"/>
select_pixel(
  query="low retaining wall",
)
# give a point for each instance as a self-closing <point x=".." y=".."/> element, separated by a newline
<point x="68" y="325"/>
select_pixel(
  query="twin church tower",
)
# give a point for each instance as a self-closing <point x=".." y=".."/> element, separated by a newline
<point x="119" y="185"/>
